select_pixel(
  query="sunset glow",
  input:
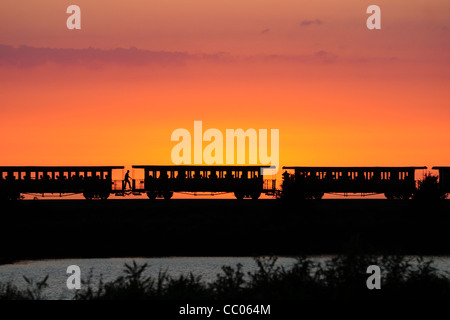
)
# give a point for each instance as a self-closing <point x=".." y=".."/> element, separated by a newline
<point x="113" y="92"/>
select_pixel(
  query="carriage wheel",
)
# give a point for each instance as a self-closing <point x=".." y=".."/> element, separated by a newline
<point x="104" y="195"/>
<point x="255" y="195"/>
<point x="151" y="195"/>
<point x="167" y="195"/>
<point x="389" y="196"/>
<point x="318" y="196"/>
<point x="14" y="196"/>
<point x="405" y="196"/>
<point x="309" y="196"/>
<point x="88" y="195"/>
<point x="239" y="195"/>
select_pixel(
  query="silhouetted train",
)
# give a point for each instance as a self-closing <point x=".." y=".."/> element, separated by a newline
<point x="92" y="182"/>
<point x="159" y="181"/>
<point x="243" y="181"/>
<point x="313" y="182"/>
<point x="163" y="181"/>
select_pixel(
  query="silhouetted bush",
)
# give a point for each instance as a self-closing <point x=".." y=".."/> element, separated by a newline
<point x="428" y="189"/>
<point x="33" y="291"/>
<point x="343" y="277"/>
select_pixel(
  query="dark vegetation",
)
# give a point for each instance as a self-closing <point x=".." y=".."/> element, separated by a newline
<point x="34" y="290"/>
<point x="429" y="190"/>
<point x="343" y="277"/>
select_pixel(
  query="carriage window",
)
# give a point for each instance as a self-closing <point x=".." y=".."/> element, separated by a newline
<point x="162" y="174"/>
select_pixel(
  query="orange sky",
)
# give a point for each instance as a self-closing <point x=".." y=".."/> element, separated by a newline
<point x="339" y="93"/>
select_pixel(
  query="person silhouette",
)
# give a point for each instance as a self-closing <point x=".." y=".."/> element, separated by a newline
<point x="286" y="176"/>
<point x="126" y="180"/>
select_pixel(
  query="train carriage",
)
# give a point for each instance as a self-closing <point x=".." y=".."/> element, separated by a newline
<point x="163" y="181"/>
<point x="314" y="182"/>
<point x="92" y="181"/>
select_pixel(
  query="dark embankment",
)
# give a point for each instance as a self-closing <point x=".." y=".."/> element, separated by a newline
<point x="114" y="228"/>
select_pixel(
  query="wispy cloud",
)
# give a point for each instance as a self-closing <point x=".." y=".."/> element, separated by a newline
<point x="25" y="56"/>
<point x="28" y="57"/>
<point x="265" y="31"/>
